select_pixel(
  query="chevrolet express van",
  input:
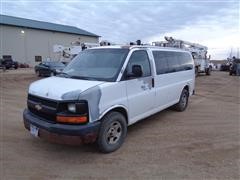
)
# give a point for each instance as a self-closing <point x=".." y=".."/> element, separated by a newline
<point x="105" y="89"/>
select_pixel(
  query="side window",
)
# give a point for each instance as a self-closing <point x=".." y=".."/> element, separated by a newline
<point x="160" y="62"/>
<point x="185" y="61"/>
<point x="46" y="64"/>
<point x="173" y="62"/>
<point x="38" y="58"/>
<point x="169" y="61"/>
<point x="140" y="58"/>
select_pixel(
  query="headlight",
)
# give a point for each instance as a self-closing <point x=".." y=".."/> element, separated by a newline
<point x="73" y="112"/>
<point x="72" y="107"/>
<point x="78" y="107"/>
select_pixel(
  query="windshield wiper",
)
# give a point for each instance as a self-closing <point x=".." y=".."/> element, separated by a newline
<point x="66" y="75"/>
<point x="63" y="74"/>
<point x="84" y="78"/>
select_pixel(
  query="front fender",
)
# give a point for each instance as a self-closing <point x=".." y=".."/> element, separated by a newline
<point x="112" y="108"/>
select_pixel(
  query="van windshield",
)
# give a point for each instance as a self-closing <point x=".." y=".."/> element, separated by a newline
<point x="96" y="64"/>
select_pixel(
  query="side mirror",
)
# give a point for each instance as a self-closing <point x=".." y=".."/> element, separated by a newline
<point x="136" y="71"/>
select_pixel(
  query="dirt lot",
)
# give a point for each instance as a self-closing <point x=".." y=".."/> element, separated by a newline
<point x="201" y="143"/>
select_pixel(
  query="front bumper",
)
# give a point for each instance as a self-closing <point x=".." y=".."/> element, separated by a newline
<point x="62" y="133"/>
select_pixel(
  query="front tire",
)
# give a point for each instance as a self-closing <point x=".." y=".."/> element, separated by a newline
<point x="183" y="101"/>
<point x="112" y="132"/>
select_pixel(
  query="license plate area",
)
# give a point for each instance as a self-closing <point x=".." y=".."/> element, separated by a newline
<point x="34" y="130"/>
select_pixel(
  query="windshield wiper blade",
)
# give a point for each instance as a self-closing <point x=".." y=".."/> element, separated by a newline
<point x="63" y="74"/>
<point x="83" y="77"/>
<point x="66" y="75"/>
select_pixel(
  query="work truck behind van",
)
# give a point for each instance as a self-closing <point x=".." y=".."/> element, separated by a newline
<point x="105" y="89"/>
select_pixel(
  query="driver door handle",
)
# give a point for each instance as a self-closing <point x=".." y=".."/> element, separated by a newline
<point x="153" y="82"/>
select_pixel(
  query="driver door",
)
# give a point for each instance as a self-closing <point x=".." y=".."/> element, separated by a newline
<point x="140" y="90"/>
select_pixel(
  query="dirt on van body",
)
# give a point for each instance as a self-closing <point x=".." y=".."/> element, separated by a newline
<point x="201" y="143"/>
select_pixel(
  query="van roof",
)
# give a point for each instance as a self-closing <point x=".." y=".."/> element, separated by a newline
<point x="139" y="46"/>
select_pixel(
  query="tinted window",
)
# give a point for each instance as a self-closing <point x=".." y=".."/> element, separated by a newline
<point x="185" y="61"/>
<point x="160" y="62"/>
<point x="56" y="64"/>
<point x="185" y="58"/>
<point x="169" y="61"/>
<point x="173" y="62"/>
<point x="46" y="63"/>
<point x="140" y="58"/>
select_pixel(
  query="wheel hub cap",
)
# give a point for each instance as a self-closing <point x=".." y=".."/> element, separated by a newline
<point x="114" y="133"/>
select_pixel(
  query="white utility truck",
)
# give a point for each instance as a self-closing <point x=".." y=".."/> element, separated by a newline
<point x="199" y="53"/>
<point x="105" y="89"/>
<point x="67" y="53"/>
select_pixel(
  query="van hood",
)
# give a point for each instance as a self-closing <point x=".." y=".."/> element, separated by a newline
<point x="60" y="88"/>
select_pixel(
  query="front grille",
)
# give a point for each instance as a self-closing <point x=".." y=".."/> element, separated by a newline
<point x="44" y="108"/>
<point x="43" y="101"/>
<point x="44" y="116"/>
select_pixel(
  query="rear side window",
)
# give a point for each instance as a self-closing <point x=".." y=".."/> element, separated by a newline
<point x="185" y="61"/>
<point x="169" y="61"/>
<point x="173" y="61"/>
<point x="160" y="62"/>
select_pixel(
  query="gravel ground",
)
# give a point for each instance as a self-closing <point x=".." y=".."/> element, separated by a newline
<point x="201" y="143"/>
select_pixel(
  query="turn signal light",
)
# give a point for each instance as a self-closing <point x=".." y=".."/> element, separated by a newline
<point x="72" y="119"/>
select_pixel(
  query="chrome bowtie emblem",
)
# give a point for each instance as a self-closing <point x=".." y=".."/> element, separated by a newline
<point x="38" y="107"/>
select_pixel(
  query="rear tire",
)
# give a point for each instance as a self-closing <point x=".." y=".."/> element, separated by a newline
<point x="112" y="132"/>
<point x="183" y="101"/>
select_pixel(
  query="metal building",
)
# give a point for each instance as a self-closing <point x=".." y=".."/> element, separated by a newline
<point x="29" y="41"/>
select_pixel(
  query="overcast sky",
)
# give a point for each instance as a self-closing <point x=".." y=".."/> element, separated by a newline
<point x="214" y="23"/>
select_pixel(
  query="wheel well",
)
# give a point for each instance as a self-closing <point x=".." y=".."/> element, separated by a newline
<point x="122" y="111"/>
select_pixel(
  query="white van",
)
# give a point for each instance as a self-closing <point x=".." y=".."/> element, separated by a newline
<point x="105" y="89"/>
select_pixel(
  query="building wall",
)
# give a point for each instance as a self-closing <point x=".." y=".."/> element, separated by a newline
<point x="23" y="47"/>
